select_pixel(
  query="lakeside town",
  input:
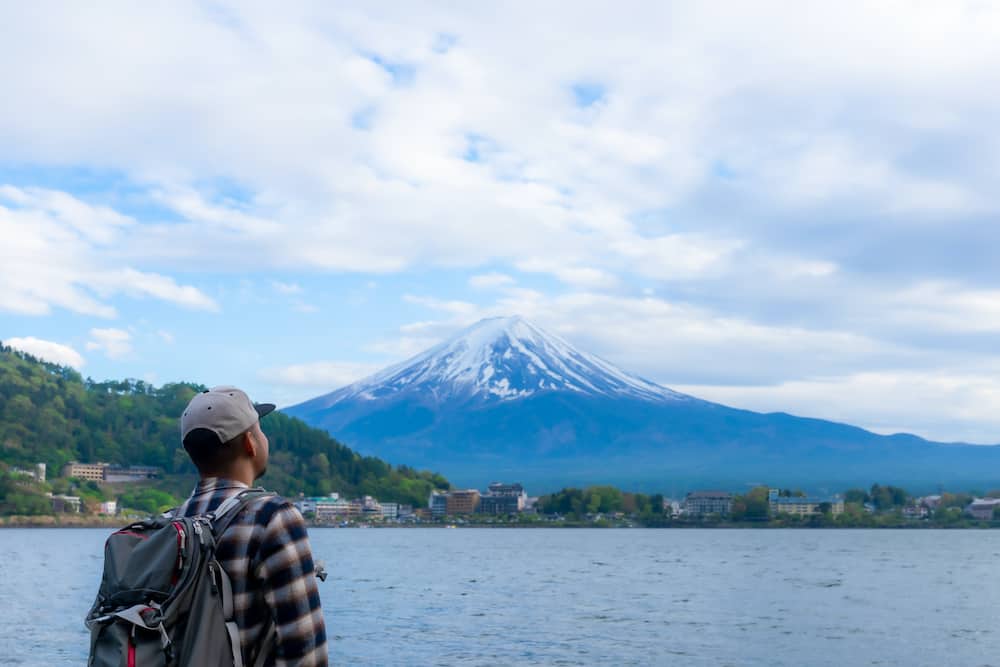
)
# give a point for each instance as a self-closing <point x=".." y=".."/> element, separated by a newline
<point x="503" y="503"/>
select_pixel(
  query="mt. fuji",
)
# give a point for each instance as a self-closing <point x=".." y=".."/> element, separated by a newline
<point x="504" y="400"/>
<point x="501" y="359"/>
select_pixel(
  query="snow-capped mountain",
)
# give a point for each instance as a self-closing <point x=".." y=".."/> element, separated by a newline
<point x="504" y="400"/>
<point x="502" y="358"/>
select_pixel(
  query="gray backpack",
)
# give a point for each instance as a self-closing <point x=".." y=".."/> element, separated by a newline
<point x="164" y="600"/>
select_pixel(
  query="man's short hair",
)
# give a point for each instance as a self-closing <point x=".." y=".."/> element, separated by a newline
<point x="207" y="452"/>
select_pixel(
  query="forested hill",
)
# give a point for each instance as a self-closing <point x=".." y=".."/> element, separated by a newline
<point x="50" y="414"/>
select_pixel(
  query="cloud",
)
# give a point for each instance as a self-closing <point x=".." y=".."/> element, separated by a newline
<point x="941" y="406"/>
<point x="795" y="204"/>
<point x="305" y="307"/>
<point x="320" y="375"/>
<point x="166" y="337"/>
<point x="59" y="252"/>
<point x="138" y="284"/>
<point x="56" y="353"/>
<point x="573" y="148"/>
<point x="285" y="288"/>
<point x="490" y="280"/>
<point x="115" y="343"/>
<point x="454" y="307"/>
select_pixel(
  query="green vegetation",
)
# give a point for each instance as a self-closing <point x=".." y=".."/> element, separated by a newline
<point x="878" y="507"/>
<point x="603" y="500"/>
<point x="50" y="414"/>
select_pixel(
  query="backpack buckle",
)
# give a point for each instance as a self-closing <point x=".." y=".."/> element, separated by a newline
<point x="151" y="617"/>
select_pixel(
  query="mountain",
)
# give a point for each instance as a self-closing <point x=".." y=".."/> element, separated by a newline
<point x="504" y="400"/>
<point x="50" y="414"/>
<point x="498" y="359"/>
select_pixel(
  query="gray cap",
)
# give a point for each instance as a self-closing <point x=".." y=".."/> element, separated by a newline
<point x="226" y="411"/>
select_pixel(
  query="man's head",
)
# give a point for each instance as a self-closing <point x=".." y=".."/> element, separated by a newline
<point x="221" y="432"/>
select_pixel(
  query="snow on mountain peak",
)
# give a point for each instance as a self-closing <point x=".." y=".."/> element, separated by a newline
<point x="503" y="358"/>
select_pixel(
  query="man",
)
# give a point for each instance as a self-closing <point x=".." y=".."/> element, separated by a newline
<point x="265" y="551"/>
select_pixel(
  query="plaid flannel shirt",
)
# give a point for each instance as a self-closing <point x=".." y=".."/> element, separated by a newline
<point x="265" y="551"/>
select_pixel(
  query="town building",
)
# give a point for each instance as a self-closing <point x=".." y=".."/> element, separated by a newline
<point x="701" y="503"/>
<point x="390" y="511"/>
<point x="982" y="508"/>
<point x="37" y="473"/>
<point x="930" y="502"/>
<point x="370" y="508"/>
<point x="61" y="503"/>
<point x="462" y="502"/>
<point x="105" y="472"/>
<point x="109" y="507"/>
<point x="802" y="505"/>
<point x="501" y="499"/>
<point x="308" y="505"/>
<point x="334" y="508"/>
<point x="90" y="471"/>
<point x="915" y="512"/>
<point x="438" y="504"/>
<point x="118" y="474"/>
<point x="672" y="508"/>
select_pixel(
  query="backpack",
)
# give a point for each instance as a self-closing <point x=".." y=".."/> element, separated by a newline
<point x="164" y="600"/>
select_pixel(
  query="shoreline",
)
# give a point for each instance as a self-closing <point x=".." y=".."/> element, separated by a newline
<point x="16" y="521"/>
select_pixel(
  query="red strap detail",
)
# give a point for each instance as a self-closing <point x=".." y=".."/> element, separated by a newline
<point x="177" y="564"/>
<point x="141" y="536"/>
<point x="131" y="653"/>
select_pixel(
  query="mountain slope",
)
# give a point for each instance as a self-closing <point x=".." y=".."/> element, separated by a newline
<point x="50" y="414"/>
<point x="505" y="400"/>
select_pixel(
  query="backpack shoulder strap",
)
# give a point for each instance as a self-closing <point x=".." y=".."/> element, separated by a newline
<point x="224" y="514"/>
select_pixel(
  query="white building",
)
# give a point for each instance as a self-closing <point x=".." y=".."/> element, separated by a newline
<point x="982" y="508"/>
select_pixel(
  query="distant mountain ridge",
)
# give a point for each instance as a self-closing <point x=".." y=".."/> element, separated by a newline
<point x="504" y="399"/>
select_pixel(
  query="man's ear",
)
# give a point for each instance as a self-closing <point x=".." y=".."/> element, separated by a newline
<point x="249" y="446"/>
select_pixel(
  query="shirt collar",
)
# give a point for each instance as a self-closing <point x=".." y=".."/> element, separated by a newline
<point x="210" y="484"/>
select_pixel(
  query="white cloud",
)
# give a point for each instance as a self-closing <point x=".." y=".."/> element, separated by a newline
<point x="166" y="337"/>
<point x="576" y="276"/>
<point x="682" y="91"/>
<point x="115" y="343"/>
<point x="490" y="280"/>
<point x="320" y="375"/>
<point x="942" y="306"/>
<point x="941" y="406"/>
<point x="799" y="203"/>
<point x="138" y="284"/>
<point x="56" y="353"/>
<point x="286" y="288"/>
<point x="460" y="308"/>
<point x="59" y="252"/>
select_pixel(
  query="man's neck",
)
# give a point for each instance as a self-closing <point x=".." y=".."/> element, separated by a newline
<point x="242" y="476"/>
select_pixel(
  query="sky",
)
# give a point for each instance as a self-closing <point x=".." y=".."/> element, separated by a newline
<point x="778" y="206"/>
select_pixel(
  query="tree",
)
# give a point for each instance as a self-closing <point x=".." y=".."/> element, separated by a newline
<point x="859" y="496"/>
<point x="656" y="503"/>
<point x="757" y="505"/>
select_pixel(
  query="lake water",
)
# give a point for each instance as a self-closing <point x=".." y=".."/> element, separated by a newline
<point x="586" y="597"/>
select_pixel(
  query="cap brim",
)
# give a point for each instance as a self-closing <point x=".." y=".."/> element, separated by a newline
<point x="263" y="409"/>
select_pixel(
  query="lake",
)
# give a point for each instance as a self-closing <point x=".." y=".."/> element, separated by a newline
<point x="586" y="596"/>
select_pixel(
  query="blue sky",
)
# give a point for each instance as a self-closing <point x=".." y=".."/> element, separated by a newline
<point x="779" y="206"/>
